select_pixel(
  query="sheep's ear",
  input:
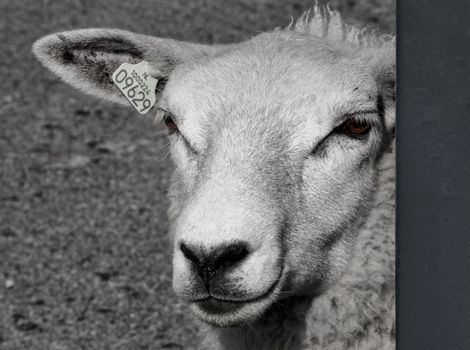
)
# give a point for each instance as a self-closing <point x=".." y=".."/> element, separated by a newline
<point x="87" y="58"/>
<point x="386" y="81"/>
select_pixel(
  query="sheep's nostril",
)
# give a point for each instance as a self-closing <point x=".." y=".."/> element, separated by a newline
<point x="231" y="254"/>
<point x="190" y="254"/>
<point x="210" y="261"/>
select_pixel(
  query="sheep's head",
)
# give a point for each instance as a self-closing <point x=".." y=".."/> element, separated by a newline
<point x="276" y="143"/>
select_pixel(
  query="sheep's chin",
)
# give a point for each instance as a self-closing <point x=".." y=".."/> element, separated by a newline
<point x="236" y="313"/>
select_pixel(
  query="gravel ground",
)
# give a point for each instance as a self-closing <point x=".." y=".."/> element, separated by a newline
<point x="84" y="257"/>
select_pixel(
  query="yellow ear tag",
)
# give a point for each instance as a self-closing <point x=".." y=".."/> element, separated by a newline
<point x="137" y="84"/>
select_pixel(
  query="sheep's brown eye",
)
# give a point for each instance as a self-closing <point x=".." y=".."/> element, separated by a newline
<point x="169" y="122"/>
<point x="355" y="128"/>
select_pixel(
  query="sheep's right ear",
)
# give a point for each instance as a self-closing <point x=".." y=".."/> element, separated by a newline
<point x="87" y="58"/>
<point x="385" y="71"/>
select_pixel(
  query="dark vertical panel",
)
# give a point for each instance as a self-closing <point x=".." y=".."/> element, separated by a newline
<point x="433" y="208"/>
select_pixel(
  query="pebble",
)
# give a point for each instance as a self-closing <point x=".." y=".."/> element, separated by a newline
<point x="9" y="283"/>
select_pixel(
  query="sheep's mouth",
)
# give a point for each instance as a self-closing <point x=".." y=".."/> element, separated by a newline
<point x="216" y="306"/>
<point x="223" y="312"/>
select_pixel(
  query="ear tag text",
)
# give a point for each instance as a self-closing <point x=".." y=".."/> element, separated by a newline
<point x="137" y="85"/>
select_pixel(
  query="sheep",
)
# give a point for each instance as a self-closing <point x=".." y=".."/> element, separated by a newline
<point x="282" y="198"/>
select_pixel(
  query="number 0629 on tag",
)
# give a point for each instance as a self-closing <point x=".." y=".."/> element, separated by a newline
<point x="137" y="85"/>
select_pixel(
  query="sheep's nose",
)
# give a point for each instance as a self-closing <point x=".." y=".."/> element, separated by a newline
<point x="218" y="259"/>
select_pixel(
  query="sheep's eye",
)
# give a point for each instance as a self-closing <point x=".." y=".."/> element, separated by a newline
<point x="169" y="122"/>
<point x="355" y="128"/>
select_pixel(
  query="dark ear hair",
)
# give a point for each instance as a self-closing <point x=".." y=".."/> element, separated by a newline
<point x="87" y="58"/>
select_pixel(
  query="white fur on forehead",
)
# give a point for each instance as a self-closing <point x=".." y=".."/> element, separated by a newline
<point x="321" y="21"/>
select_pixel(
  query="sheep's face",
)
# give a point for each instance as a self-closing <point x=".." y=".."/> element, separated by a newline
<point x="276" y="144"/>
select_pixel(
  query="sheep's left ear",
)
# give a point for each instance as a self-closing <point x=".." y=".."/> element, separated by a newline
<point x="87" y="58"/>
<point x="385" y="72"/>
